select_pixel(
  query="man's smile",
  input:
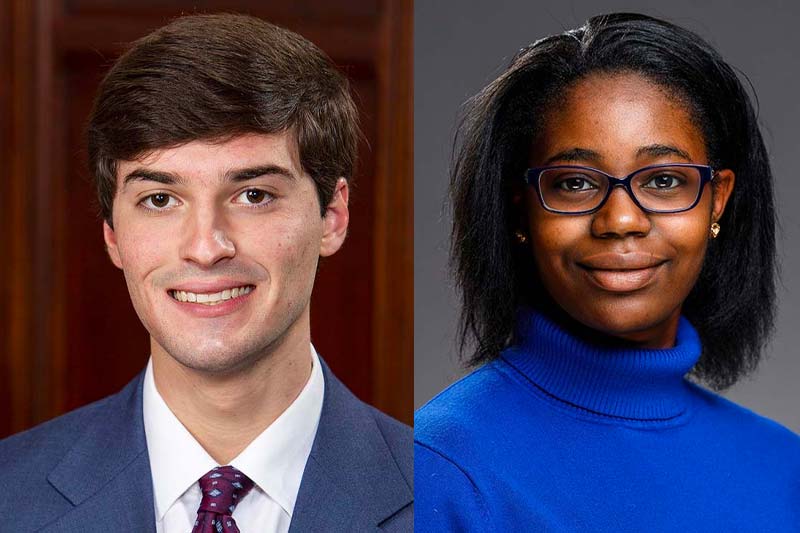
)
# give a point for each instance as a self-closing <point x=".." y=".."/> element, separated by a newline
<point x="211" y="298"/>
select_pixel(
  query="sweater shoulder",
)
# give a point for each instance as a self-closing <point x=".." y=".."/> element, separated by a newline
<point x="735" y="419"/>
<point x="466" y="409"/>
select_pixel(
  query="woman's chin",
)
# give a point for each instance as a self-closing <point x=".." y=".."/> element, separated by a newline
<point x="628" y="325"/>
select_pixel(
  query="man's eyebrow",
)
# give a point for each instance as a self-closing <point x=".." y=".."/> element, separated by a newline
<point x="244" y="174"/>
<point x="658" y="150"/>
<point x="574" y="155"/>
<point x="237" y="175"/>
<point x="143" y="174"/>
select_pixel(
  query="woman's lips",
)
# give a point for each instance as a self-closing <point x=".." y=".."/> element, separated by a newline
<point x="622" y="280"/>
<point x="622" y="272"/>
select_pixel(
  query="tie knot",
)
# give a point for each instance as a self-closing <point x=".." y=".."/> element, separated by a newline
<point x="223" y="487"/>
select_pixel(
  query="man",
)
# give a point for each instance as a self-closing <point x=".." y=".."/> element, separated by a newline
<point x="221" y="147"/>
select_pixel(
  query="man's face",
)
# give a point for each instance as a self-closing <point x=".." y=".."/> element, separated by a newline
<point x="219" y="244"/>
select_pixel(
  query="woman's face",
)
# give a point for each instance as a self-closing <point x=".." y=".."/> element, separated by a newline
<point x="622" y="271"/>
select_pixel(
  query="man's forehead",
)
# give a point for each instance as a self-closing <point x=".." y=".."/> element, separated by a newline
<point x="210" y="161"/>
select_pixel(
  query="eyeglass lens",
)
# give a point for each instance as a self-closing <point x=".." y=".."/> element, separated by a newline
<point x="656" y="189"/>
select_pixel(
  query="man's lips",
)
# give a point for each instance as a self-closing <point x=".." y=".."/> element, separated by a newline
<point x="625" y="272"/>
<point x="210" y="292"/>
<point x="210" y="286"/>
<point x="212" y="305"/>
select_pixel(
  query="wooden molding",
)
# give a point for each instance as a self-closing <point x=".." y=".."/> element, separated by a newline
<point x="393" y="315"/>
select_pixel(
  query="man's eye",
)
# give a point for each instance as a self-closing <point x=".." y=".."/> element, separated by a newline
<point x="158" y="201"/>
<point x="255" y="197"/>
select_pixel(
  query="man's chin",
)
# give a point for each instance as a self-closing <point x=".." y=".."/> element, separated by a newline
<point x="218" y="360"/>
<point x="220" y="365"/>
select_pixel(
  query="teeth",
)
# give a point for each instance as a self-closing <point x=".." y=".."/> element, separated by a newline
<point x="211" y="299"/>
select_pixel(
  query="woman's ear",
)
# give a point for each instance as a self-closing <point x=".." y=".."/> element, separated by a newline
<point x="723" y="188"/>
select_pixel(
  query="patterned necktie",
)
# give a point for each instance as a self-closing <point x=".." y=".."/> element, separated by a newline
<point x="223" y="488"/>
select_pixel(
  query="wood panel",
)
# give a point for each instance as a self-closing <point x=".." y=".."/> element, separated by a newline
<point x="20" y="329"/>
<point x="75" y="336"/>
<point x="6" y="217"/>
<point x="393" y="376"/>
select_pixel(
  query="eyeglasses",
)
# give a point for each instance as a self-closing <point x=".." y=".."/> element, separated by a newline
<point x="578" y="190"/>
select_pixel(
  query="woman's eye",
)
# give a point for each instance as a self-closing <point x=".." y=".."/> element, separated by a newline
<point x="255" y="197"/>
<point x="158" y="201"/>
<point x="576" y="184"/>
<point x="664" y="181"/>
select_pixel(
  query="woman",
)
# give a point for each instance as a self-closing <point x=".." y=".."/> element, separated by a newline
<point x="613" y="230"/>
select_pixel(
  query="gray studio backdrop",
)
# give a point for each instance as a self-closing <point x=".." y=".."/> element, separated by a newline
<point x="459" y="46"/>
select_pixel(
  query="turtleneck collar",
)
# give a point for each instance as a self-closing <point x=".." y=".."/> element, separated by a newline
<point x="629" y="383"/>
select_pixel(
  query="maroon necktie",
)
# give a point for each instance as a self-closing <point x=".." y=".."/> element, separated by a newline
<point x="223" y="488"/>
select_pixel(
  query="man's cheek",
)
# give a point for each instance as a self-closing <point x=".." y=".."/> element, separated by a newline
<point x="143" y="250"/>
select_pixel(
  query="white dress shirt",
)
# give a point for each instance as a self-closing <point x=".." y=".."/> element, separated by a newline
<point x="275" y="461"/>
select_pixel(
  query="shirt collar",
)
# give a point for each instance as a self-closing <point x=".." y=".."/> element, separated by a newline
<point x="274" y="460"/>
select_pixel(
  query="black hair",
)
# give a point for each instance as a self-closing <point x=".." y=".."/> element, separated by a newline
<point x="732" y="304"/>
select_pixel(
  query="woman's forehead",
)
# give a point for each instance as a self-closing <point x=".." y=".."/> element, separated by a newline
<point x="614" y="118"/>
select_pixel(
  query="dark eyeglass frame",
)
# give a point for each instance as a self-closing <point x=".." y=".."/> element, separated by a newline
<point x="532" y="177"/>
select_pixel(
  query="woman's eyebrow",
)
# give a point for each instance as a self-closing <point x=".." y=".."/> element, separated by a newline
<point x="575" y="154"/>
<point x="658" y="150"/>
<point x="584" y="154"/>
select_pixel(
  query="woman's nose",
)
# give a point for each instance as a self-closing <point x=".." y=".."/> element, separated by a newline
<point x="620" y="217"/>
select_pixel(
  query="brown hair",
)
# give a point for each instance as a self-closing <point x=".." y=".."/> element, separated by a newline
<point x="214" y="77"/>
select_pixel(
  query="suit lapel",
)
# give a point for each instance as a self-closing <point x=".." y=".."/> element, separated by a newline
<point x="106" y="474"/>
<point x="351" y="481"/>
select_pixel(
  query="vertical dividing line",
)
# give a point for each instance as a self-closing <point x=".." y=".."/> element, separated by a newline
<point x="393" y="339"/>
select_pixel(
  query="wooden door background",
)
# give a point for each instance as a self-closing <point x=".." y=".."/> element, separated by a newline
<point x="68" y="332"/>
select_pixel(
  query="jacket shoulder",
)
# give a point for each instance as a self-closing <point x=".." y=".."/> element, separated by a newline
<point x="39" y="448"/>
<point x="399" y="439"/>
<point x="29" y="457"/>
<point x="360" y="471"/>
<point x="350" y="425"/>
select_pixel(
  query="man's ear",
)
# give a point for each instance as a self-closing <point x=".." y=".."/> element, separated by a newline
<point x="111" y="244"/>
<point x="335" y="220"/>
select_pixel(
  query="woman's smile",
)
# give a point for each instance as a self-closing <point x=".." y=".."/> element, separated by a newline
<point x="622" y="272"/>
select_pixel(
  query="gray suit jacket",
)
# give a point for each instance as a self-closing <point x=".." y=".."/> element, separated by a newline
<point x="88" y="471"/>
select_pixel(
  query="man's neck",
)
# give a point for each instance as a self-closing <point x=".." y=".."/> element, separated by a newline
<point x="226" y="412"/>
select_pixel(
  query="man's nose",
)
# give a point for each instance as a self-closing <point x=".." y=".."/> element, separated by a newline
<point x="206" y="239"/>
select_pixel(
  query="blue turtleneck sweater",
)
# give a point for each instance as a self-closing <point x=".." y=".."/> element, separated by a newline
<point x="560" y="435"/>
